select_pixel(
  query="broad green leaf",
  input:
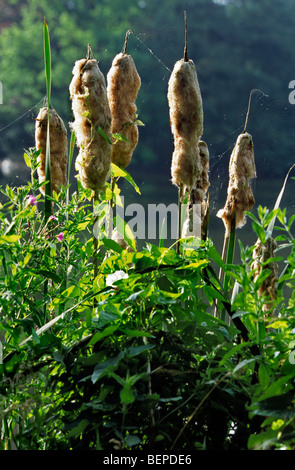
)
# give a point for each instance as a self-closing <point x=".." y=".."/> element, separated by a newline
<point x="27" y="160"/>
<point x="78" y="428"/>
<point x="262" y="441"/>
<point x="9" y="238"/>
<point x="125" y="231"/>
<point x="117" y="172"/>
<point x="127" y="395"/>
<point x="244" y="363"/>
<point x="132" y="440"/>
<point x="136" y="350"/>
<point x="105" y="367"/>
<point x="112" y="245"/>
<point x="263" y="375"/>
<point x="195" y="264"/>
<point x="99" y="335"/>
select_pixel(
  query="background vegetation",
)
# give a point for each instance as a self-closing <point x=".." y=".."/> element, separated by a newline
<point x="237" y="46"/>
<point x="146" y="365"/>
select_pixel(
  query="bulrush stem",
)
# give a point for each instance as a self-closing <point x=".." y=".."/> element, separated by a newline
<point x="227" y="257"/>
<point x="95" y="241"/>
<point x="249" y="107"/>
<point x="185" y="55"/>
<point x="111" y="205"/>
<point x="126" y="41"/>
<point x="180" y="201"/>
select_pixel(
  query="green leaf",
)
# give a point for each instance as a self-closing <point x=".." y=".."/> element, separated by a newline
<point x="132" y="441"/>
<point x="278" y="201"/>
<point x="125" y="231"/>
<point x="136" y="350"/>
<point x="262" y="441"/>
<point x="117" y="172"/>
<point x="263" y="375"/>
<point x="27" y="160"/>
<point x="195" y="264"/>
<point x="243" y="364"/>
<point x="104" y="135"/>
<point x="127" y="395"/>
<point x="9" y="238"/>
<point x="50" y="275"/>
<point x="258" y="229"/>
<point x="106" y="367"/>
<point x="78" y="428"/>
<point x="136" y="333"/>
<point x="121" y="137"/>
<point x="112" y="245"/>
<point x="47" y="60"/>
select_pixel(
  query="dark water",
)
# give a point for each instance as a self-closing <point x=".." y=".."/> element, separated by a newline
<point x="156" y="188"/>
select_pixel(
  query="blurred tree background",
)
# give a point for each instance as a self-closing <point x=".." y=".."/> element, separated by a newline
<point x="237" y="46"/>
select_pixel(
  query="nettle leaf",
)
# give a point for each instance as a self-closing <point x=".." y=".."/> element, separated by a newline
<point x="105" y="367"/>
<point x="127" y="395"/>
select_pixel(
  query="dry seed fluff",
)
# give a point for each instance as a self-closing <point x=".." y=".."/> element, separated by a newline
<point x="91" y="111"/>
<point x="186" y="119"/>
<point x="261" y="254"/>
<point x="123" y="85"/>
<point x="239" y="193"/>
<point x="58" y="148"/>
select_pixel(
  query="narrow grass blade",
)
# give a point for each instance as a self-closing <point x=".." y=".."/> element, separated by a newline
<point x="278" y="202"/>
<point x="47" y="58"/>
<point x="71" y="153"/>
<point x="47" y="63"/>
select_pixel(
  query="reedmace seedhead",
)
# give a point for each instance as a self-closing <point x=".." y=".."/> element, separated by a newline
<point x="123" y="84"/>
<point x="186" y="119"/>
<point x="92" y="124"/>
<point x="239" y="193"/>
<point x="268" y="288"/>
<point x="58" y="148"/>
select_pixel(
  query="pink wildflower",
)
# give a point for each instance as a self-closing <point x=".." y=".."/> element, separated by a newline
<point x="52" y="217"/>
<point x="32" y="200"/>
<point x="60" y="236"/>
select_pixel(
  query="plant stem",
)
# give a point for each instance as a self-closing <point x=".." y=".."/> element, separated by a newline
<point x="227" y="257"/>
<point x="180" y="200"/>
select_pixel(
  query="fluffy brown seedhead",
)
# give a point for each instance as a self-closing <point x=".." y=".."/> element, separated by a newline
<point x="239" y="193"/>
<point x="91" y="112"/>
<point x="186" y="119"/>
<point x="123" y="85"/>
<point x="58" y="148"/>
<point x="261" y="254"/>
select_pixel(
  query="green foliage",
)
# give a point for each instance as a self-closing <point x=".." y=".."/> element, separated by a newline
<point x="107" y="348"/>
<point x="224" y="60"/>
<point x="148" y="366"/>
